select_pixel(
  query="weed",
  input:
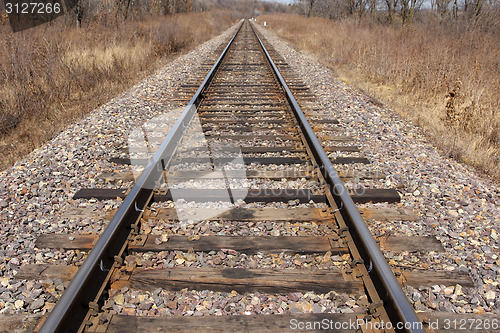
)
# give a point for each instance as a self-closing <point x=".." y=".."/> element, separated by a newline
<point x="446" y="81"/>
<point x="52" y="75"/>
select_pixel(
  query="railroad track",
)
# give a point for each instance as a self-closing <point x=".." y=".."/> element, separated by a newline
<point x="239" y="207"/>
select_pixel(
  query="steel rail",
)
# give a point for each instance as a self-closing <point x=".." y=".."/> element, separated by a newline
<point x="73" y="306"/>
<point x="395" y="301"/>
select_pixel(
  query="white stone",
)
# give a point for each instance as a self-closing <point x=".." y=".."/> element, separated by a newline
<point x="490" y="295"/>
<point x="494" y="234"/>
<point x="19" y="304"/>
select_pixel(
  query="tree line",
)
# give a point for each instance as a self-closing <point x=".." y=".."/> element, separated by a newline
<point x="404" y="11"/>
<point x="83" y="12"/>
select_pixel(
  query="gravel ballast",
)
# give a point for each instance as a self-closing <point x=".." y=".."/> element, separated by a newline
<point x="36" y="193"/>
<point x="456" y="205"/>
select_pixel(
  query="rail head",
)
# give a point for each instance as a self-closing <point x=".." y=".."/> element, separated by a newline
<point x="72" y="307"/>
<point x="389" y="289"/>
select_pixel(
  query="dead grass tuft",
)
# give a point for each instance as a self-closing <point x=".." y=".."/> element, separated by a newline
<point x="52" y="75"/>
<point x="446" y="81"/>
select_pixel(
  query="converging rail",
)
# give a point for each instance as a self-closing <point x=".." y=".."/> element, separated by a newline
<point x="243" y="102"/>
<point x="396" y="303"/>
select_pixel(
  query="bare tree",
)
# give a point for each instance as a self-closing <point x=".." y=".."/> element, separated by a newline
<point x="477" y="6"/>
<point x="122" y="7"/>
<point x="310" y="7"/>
<point x="331" y="9"/>
<point x="79" y="14"/>
<point x="357" y="7"/>
<point x="442" y="7"/>
<point x="408" y="8"/>
<point x="372" y="5"/>
<point x="391" y="10"/>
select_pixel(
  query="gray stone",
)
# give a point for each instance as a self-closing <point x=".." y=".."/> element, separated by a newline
<point x="37" y="304"/>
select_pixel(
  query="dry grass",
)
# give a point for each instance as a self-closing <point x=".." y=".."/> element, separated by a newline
<point x="446" y="81"/>
<point x="53" y="75"/>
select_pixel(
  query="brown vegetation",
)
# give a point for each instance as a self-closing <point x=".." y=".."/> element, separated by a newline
<point x="53" y="74"/>
<point x="442" y="76"/>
